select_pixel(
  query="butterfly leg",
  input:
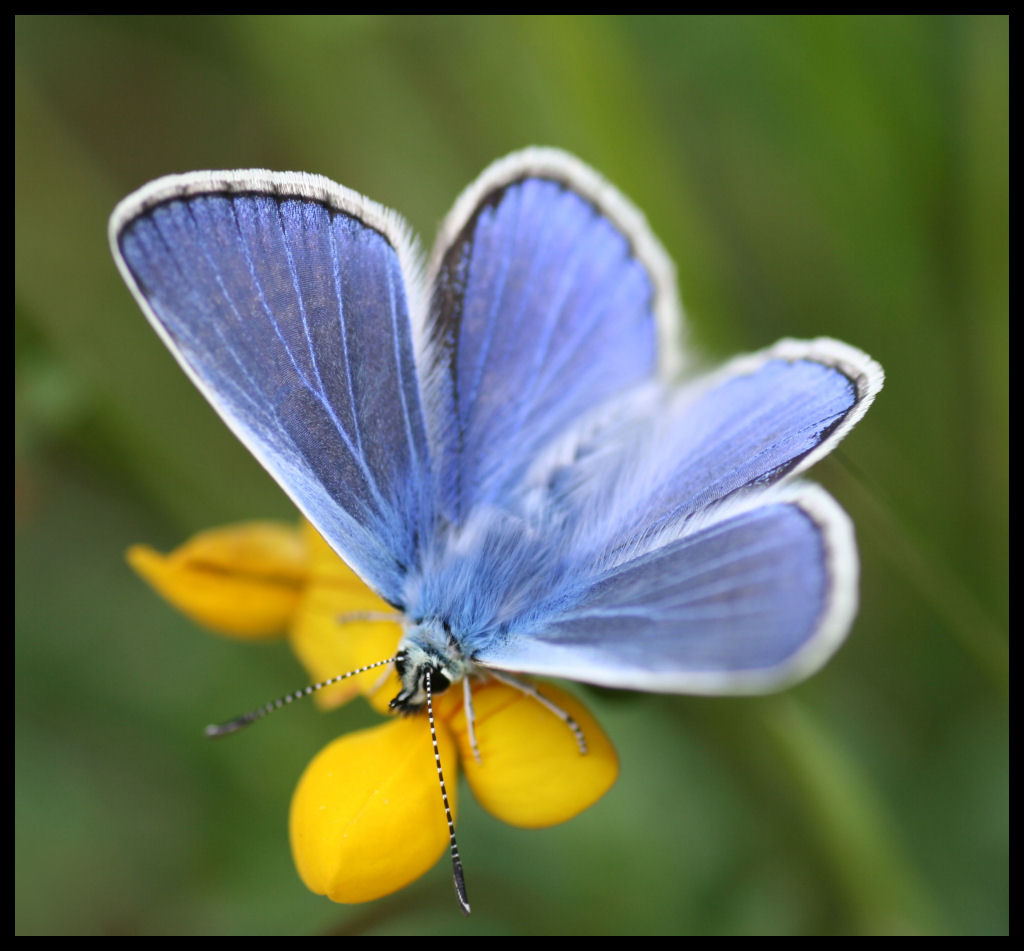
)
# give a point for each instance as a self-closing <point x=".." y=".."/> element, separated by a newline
<point x="353" y="617"/>
<point x="531" y="691"/>
<point x="467" y="703"/>
<point x="380" y="681"/>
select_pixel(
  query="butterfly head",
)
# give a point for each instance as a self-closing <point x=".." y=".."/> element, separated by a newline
<point x="429" y="646"/>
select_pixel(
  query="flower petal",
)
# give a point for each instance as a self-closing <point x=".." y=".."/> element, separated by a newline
<point x="366" y="818"/>
<point x="241" y="580"/>
<point x="532" y="773"/>
<point x="328" y="645"/>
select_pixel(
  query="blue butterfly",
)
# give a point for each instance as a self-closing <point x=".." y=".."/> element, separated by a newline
<point x="499" y="445"/>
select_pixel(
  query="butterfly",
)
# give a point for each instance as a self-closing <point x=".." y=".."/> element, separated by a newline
<point x="498" y="442"/>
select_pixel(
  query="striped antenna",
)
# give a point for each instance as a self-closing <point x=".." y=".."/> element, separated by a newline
<point x="233" y="726"/>
<point x="459" y="878"/>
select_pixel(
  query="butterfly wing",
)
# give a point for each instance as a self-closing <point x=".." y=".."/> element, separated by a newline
<point x="550" y="297"/>
<point x="758" y="421"/>
<point x="283" y="297"/>
<point x="751" y="602"/>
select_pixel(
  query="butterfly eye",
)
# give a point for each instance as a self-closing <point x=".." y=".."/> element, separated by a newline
<point x="439" y="682"/>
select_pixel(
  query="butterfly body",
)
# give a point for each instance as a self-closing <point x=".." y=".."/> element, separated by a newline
<point x="499" y="446"/>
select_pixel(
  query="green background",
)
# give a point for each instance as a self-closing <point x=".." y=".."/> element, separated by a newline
<point x="840" y="177"/>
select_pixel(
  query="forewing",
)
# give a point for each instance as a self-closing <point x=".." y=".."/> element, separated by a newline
<point x="749" y="603"/>
<point x="283" y="296"/>
<point x="549" y="297"/>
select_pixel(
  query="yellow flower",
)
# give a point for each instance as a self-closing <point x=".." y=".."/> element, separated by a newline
<point x="242" y="580"/>
<point x="366" y="818"/>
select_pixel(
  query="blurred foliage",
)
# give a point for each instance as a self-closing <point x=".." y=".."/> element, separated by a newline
<point x="818" y="176"/>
